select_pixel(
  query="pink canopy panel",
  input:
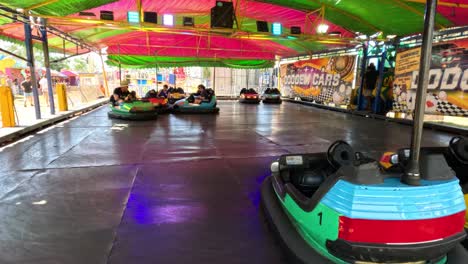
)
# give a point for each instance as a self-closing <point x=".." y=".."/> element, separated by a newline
<point x="166" y="44"/>
<point x="288" y="17"/>
<point x="459" y="16"/>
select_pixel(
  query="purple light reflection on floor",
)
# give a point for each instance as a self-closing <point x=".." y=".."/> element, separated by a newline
<point x="145" y="213"/>
<point x="255" y="196"/>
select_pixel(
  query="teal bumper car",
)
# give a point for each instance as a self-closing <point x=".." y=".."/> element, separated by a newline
<point x="186" y="106"/>
<point x="456" y="155"/>
<point x="135" y="111"/>
<point x="341" y="207"/>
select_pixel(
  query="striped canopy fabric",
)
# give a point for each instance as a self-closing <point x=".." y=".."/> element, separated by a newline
<point x="144" y="44"/>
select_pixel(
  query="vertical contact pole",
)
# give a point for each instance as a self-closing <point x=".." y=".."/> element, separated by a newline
<point x="412" y="174"/>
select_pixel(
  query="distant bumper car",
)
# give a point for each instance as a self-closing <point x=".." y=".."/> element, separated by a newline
<point x="186" y="106"/>
<point x="249" y="96"/>
<point x="272" y="96"/>
<point x="135" y="110"/>
<point x="341" y="207"/>
<point x="176" y="95"/>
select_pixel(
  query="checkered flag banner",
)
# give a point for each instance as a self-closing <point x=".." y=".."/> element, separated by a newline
<point x="403" y="107"/>
<point x="448" y="108"/>
<point x="326" y="95"/>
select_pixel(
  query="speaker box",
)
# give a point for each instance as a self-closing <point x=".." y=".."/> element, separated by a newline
<point x="150" y="17"/>
<point x="188" y="21"/>
<point x="107" y="15"/>
<point x="89" y="14"/>
<point x="334" y="33"/>
<point x="295" y="30"/>
<point x="262" y="26"/>
<point x="222" y="15"/>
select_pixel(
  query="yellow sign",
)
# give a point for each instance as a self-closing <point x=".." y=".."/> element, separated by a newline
<point x="448" y="75"/>
<point x="407" y="61"/>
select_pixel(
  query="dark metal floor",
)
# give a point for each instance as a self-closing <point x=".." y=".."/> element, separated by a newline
<point x="182" y="189"/>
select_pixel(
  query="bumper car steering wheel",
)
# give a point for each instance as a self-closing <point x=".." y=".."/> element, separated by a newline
<point x="340" y="154"/>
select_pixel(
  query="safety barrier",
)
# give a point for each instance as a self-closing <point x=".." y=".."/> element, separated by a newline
<point x="7" y="107"/>
<point x="83" y="94"/>
<point x="450" y="129"/>
<point x="62" y="96"/>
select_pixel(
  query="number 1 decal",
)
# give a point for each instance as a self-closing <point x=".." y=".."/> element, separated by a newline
<point x="320" y="216"/>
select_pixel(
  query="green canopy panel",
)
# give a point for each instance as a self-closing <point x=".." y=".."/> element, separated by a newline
<point x="128" y="61"/>
<point x="390" y="16"/>
<point x="4" y="20"/>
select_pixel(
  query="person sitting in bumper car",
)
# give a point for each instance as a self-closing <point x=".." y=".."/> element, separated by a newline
<point x="201" y="95"/>
<point x="175" y="94"/>
<point x="120" y="94"/>
<point x="164" y="92"/>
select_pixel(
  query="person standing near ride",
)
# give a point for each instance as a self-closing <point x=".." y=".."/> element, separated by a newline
<point x="26" y="86"/>
<point x="44" y="84"/>
<point x="370" y="80"/>
<point x="120" y="93"/>
<point x="15" y="87"/>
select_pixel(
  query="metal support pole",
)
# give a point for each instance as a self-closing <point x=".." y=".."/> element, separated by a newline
<point x="120" y="66"/>
<point x="247" y="78"/>
<point x="45" y="49"/>
<point x="214" y="79"/>
<point x="380" y="82"/>
<point x="30" y="57"/>
<point x="363" y="74"/>
<point x="412" y="174"/>
<point x="156" y="69"/>
<point x="104" y="73"/>
<point x="120" y="72"/>
<point x="140" y="10"/>
<point x="278" y="84"/>
<point x="232" y="93"/>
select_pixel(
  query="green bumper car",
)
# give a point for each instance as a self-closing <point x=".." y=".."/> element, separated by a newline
<point x="135" y="110"/>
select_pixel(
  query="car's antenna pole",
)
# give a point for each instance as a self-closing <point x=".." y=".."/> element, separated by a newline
<point x="412" y="173"/>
